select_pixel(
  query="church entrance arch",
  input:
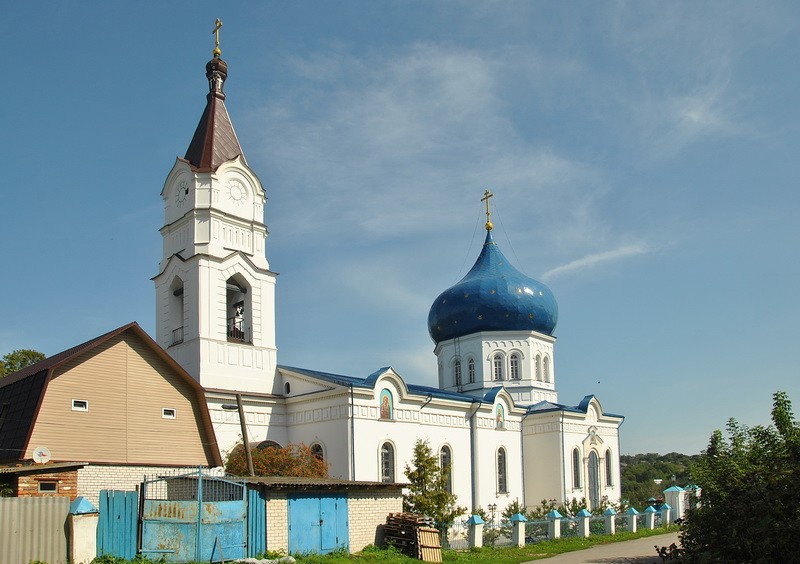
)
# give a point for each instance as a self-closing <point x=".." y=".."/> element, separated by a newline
<point x="594" y="480"/>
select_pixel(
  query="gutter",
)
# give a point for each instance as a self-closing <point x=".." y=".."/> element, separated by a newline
<point x="473" y="447"/>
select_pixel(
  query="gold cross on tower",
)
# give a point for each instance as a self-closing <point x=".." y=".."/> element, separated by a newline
<point x="218" y="25"/>
<point x="486" y="196"/>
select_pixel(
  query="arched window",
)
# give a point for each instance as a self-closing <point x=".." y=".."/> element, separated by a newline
<point x="538" y="367"/>
<point x="316" y="451"/>
<point x="287" y="388"/>
<point x="502" y="476"/>
<point x="457" y="372"/>
<point x="576" y="469"/>
<point x="546" y="367"/>
<point x="514" y="366"/>
<point x="471" y="370"/>
<point x="239" y="327"/>
<point x="446" y="464"/>
<point x="176" y="311"/>
<point x="387" y="462"/>
<point x="609" y="473"/>
<point x="497" y="366"/>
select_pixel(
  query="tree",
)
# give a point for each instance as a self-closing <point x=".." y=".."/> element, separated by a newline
<point x="750" y="503"/>
<point x="428" y="493"/>
<point x="293" y="460"/>
<point x="18" y="359"/>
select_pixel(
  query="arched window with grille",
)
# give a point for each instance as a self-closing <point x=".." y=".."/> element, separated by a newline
<point x="502" y="473"/>
<point x="457" y="372"/>
<point x="316" y="451"/>
<point x="546" y="368"/>
<point x="609" y="472"/>
<point x="471" y="370"/>
<point x="576" y="469"/>
<point x="446" y="464"/>
<point x="538" y="368"/>
<point x="387" y="462"/>
<point x="497" y="366"/>
<point x="514" y="366"/>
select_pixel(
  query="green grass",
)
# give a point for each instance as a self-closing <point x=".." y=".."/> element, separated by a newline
<point x="504" y="555"/>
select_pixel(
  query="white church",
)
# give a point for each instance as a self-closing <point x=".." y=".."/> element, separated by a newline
<point x="494" y="418"/>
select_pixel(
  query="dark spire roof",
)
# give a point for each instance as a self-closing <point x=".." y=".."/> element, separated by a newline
<point x="214" y="140"/>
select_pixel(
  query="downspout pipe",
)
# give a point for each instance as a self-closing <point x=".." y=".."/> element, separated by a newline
<point x="352" y="435"/>
<point x="563" y="462"/>
<point x="522" y="451"/>
<point x="473" y="449"/>
<point x="427" y="401"/>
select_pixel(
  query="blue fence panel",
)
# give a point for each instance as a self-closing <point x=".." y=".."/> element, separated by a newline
<point x="117" y="524"/>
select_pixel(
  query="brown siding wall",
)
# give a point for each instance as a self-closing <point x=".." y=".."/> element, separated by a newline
<point x="127" y="386"/>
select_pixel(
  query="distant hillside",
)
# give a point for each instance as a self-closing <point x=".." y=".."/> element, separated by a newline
<point x="640" y="470"/>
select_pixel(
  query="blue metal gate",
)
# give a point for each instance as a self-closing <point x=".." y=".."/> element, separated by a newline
<point x="256" y="523"/>
<point x="192" y="517"/>
<point x="317" y="523"/>
<point x="117" y="524"/>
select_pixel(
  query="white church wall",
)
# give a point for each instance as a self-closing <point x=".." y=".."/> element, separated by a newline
<point x="589" y="434"/>
<point x="489" y="439"/>
<point x="265" y="419"/>
<point x="544" y="464"/>
<point x="482" y="347"/>
<point x="325" y="421"/>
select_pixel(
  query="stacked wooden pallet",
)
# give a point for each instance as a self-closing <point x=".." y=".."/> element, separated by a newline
<point x="414" y="535"/>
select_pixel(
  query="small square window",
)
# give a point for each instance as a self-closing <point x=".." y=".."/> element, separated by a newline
<point x="168" y="413"/>
<point x="48" y="487"/>
<point x="80" y="405"/>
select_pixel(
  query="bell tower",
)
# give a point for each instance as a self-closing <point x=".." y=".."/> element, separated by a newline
<point x="215" y="293"/>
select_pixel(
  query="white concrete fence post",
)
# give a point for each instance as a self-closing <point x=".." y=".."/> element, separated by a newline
<point x="632" y="519"/>
<point x="611" y="524"/>
<point x="666" y="511"/>
<point x="83" y="519"/>
<point x="475" y="524"/>
<point x="518" y="521"/>
<point x="676" y="498"/>
<point x="554" y="525"/>
<point x="650" y="517"/>
<point x="583" y="522"/>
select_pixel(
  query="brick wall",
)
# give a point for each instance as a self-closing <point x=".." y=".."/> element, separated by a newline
<point x="66" y="483"/>
<point x="368" y="512"/>
<point x="278" y="522"/>
<point x="93" y="478"/>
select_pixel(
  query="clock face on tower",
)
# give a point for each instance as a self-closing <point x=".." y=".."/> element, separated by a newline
<point x="182" y="194"/>
<point x="236" y="191"/>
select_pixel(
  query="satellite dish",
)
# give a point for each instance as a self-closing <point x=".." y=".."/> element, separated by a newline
<point x="41" y="454"/>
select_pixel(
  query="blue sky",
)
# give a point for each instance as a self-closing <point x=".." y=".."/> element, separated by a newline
<point x="643" y="158"/>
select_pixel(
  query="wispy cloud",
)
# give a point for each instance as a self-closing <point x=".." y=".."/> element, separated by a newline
<point x="387" y="144"/>
<point x="590" y="261"/>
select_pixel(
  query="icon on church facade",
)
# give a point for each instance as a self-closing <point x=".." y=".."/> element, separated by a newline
<point x="387" y="407"/>
<point x="499" y="417"/>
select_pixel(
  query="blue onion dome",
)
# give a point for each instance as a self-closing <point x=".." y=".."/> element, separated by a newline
<point x="493" y="296"/>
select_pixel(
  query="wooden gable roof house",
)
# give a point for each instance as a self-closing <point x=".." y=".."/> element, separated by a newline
<point x="107" y="411"/>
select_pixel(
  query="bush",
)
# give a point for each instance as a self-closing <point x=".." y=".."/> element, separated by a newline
<point x="296" y="460"/>
<point x="750" y="503"/>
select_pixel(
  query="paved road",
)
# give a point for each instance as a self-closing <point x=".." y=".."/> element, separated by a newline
<point x="639" y="551"/>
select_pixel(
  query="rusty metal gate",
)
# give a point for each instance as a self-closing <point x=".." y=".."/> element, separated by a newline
<point x="193" y="517"/>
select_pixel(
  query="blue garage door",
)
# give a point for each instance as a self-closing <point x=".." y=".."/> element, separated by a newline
<point x="317" y="523"/>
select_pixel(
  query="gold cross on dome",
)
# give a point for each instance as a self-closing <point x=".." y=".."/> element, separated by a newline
<point x="217" y="25"/>
<point x="486" y="196"/>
